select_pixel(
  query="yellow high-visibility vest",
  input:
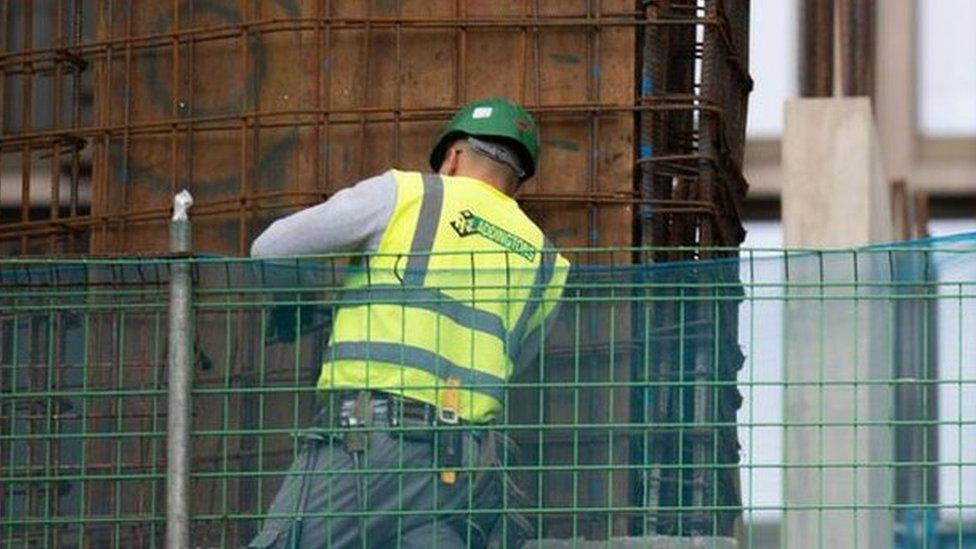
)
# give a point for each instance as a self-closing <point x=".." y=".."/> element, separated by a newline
<point x="461" y="281"/>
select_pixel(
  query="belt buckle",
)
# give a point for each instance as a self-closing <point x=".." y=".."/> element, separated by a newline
<point x="412" y="419"/>
<point x="447" y="416"/>
<point x="401" y="412"/>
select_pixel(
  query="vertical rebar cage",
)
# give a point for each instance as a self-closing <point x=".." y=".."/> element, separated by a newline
<point x="695" y="86"/>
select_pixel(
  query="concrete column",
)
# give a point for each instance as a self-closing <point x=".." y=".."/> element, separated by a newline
<point x="835" y="194"/>
<point x="835" y="191"/>
<point x="895" y="95"/>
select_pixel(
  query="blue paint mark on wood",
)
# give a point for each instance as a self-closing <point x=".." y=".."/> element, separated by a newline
<point x="565" y="58"/>
<point x="290" y="7"/>
<point x="563" y="233"/>
<point x="564" y="144"/>
<point x="647" y="86"/>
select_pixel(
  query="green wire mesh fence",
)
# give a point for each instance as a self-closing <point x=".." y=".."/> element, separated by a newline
<point x="782" y="397"/>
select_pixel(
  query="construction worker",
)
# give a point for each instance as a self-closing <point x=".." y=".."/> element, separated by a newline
<point x="455" y="287"/>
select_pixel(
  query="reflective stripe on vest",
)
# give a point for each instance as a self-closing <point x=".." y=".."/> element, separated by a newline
<point x="420" y="359"/>
<point x="429" y="299"/>
<point x="423" y="238"/>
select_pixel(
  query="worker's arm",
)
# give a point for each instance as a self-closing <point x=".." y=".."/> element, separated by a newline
<point x="353" y="219"/>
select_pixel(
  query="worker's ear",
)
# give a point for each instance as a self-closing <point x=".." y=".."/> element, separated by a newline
<point x="451" y="160"/>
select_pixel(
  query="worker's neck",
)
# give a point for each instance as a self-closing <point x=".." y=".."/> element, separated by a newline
<point x="503" y="185"/>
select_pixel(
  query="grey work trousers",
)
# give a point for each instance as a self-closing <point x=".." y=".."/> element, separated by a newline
<point x="376" y="498"/>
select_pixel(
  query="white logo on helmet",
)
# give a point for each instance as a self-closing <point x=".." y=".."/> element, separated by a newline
<point x="481" y="112"/>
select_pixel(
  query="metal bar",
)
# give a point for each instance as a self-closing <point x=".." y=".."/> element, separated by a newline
<point x="27" y="120"/>
<point x="56" y="99"/>
<point x="75" y="115"/>
<point x="180" y="376"/>
<point x="816" y="27"/>
<point x="204" y="33"/>
<point x="859" y="39"/>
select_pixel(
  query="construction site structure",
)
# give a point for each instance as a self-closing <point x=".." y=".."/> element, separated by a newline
<point x="110" y="107"/>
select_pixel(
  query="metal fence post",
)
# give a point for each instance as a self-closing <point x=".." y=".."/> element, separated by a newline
<point x="180" y="376"/>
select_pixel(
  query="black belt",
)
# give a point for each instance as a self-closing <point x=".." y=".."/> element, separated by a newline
<point x="341" y="410"/>
<point x="419" y="420"/>
<point x="356" y="412"/>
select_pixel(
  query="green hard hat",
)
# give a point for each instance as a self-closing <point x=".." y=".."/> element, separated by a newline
<point x="496" y="120"/>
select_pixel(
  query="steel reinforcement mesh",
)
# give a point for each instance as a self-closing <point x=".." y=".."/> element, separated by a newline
<point x="111" y="106"/>
<point x="261" y="107"/>
<point x="695" y="86"/>
<point x="848" y="353"/>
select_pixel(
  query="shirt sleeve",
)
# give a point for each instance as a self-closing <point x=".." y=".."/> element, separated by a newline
<point x="354" y="219"/>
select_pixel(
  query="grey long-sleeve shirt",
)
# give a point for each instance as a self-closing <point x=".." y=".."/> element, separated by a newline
<point x="353" y="219"/>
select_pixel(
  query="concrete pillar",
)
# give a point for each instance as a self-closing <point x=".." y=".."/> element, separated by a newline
<point x="835" y="192"/>
<point x="837" y="443"/>
<point x="895" y="95"/>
